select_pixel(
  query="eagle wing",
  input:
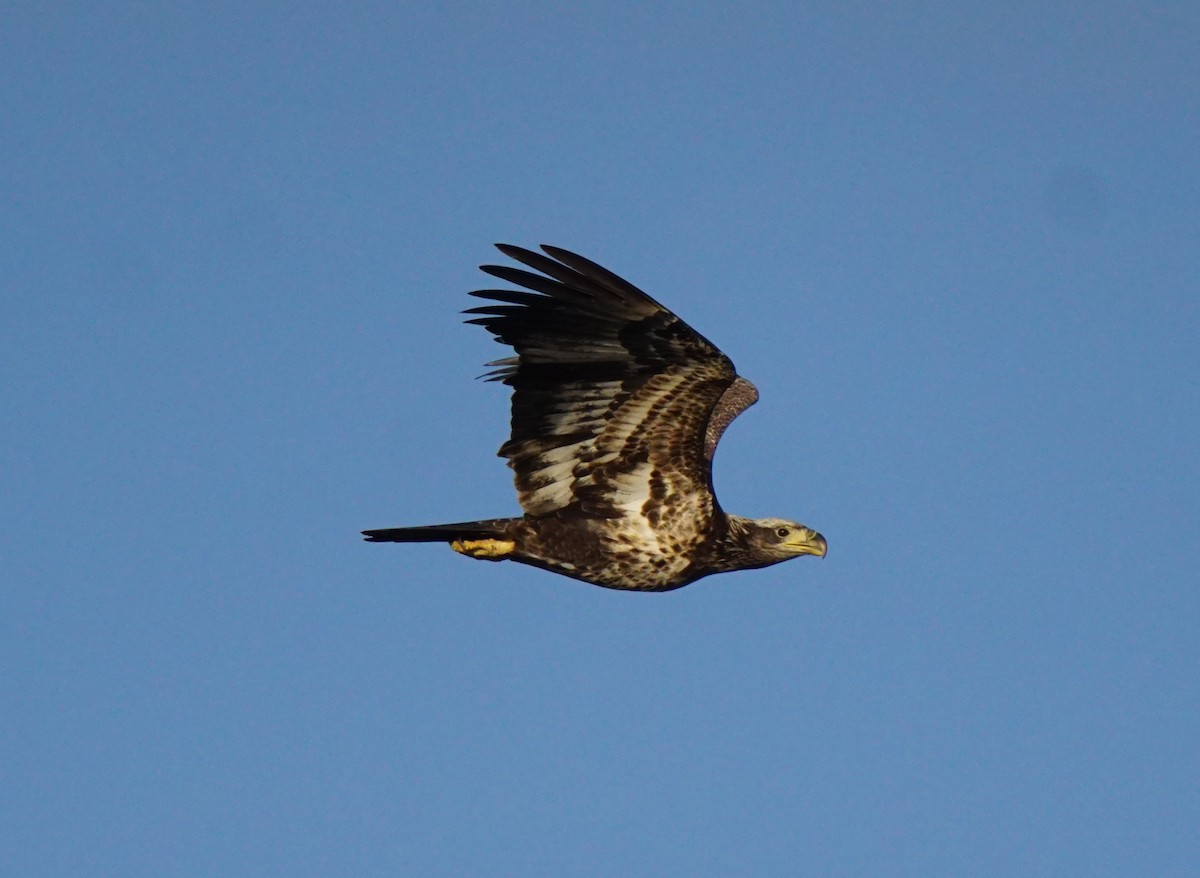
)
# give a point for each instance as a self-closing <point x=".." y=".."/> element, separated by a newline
<point x="617" y="404"/>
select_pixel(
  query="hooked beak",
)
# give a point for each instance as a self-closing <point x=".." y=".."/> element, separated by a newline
<point x="808" y="542"/>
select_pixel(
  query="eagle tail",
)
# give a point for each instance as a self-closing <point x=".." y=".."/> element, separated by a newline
<point x="441" y="533"/>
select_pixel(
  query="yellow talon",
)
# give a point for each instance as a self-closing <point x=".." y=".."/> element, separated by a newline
<point x="487" y="550"/>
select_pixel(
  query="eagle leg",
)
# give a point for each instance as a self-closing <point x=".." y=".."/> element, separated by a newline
<point x="485" y="550"/>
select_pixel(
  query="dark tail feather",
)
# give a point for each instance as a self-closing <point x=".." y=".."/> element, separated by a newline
<point x="440" y="533"/>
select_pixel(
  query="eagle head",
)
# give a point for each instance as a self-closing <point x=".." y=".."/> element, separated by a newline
<point x="780" y="539"/>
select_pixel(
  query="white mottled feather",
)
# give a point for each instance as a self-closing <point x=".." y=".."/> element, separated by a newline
<point x="612" y="397"/>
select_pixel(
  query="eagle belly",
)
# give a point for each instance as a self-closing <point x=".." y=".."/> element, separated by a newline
<point x="637" y="551"/>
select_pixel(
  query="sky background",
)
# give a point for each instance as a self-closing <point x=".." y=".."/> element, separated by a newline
<point x="956" y="246"/>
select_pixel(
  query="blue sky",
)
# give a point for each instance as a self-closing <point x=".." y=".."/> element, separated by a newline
<point x="954" y="245"/>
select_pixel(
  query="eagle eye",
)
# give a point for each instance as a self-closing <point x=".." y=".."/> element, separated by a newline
<point x="782" y="532"/>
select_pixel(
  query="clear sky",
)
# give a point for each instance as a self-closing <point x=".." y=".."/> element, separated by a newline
<point x="956" y="246"/>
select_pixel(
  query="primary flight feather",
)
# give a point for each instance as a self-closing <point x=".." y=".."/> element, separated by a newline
<point x="617" y="407"/>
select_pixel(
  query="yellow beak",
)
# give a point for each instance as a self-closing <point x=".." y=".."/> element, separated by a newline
<point x="807" y="542"/>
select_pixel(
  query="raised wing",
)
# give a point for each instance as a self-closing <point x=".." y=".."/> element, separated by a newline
<point x="613" y="395"/>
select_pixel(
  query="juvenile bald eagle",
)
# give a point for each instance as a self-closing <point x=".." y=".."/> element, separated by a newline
<point x="617" y="406"/>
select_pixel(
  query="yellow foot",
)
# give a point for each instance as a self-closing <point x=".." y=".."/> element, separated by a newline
<point x="488" y="550"/>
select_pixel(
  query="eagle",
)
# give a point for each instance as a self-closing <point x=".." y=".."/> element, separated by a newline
<point x="617" y="408"/>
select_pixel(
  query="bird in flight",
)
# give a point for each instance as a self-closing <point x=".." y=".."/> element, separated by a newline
<point x="617" y="407"/>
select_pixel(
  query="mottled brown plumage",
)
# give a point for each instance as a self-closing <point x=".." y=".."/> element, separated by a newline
<point x="617" y="408"/>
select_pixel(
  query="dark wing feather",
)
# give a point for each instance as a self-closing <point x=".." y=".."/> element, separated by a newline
<point x="617" y="403"/>
<point x="738" y="397"/>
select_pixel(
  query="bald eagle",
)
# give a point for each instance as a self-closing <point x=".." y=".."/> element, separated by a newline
<point x="617" y="407"/>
